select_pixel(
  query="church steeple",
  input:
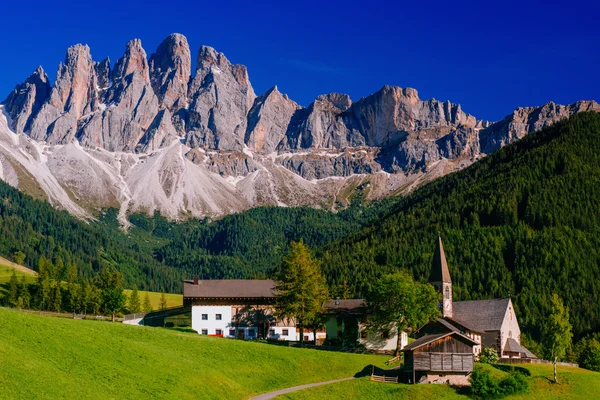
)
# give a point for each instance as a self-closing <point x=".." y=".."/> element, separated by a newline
<point x="440" y="278"/>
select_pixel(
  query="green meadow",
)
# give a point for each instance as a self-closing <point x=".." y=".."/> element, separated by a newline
<point x="47" y="358"/>
<point x="574" y="383"/>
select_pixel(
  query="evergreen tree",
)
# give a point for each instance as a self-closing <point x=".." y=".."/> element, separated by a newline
<point x="110" y="283"/>
<point x="163" y="301"/>
<point x="44" y="286"/>
<point x="398" y="303"/>
<point x="147" y="307"/>
<point x="19" y="257"/>
<point x="13" y="291"/>
<point x="301" y="288"/>
<point x="557" y="333"/>
<point x="134" y="301"/>
<point x="24" y="294"/>
<point x="57" y="298"/>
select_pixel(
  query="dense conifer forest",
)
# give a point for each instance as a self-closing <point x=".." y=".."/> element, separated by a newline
<point x="522" y="222"/>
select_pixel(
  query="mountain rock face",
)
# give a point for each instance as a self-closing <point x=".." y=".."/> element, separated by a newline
<point x="148" y="134"/>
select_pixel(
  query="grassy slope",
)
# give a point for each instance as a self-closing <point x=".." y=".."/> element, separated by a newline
<point x="44" y="357"/>
<point x="7" y="267"/>
<point x="575" y="383"/>
<point x="173" y="299"/>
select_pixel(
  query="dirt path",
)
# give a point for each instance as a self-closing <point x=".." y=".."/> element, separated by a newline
<point x="271" y="395"/>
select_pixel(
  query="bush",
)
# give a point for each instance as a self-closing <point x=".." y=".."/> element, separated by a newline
<point x="588" y="353"/>
<point x="482" y="384"/>
<point x="488" y="356"/>
<point x="485" y="386"/>
<point x="513" y="383"/>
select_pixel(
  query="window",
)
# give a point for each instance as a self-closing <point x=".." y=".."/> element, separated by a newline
<point x="364" y="334"/>
<point x="251" y="333"/>
<point x="272" y="332"/>
<point x="447" y="291"/>
<point x="219" y="317"/>
<point x="232" y="332"/>
<point x="204" y="317"/>
<point x="218" y="332"/>
<point x="285" y="332"/>
<point x="205" y="331"/>
<point x="385" y="334"/>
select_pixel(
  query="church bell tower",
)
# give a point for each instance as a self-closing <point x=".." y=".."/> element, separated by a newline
<point x="440" y="279"/>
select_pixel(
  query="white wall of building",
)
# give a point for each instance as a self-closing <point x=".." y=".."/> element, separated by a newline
<point x="211" y="324"/>
<point x="510" y="327"/>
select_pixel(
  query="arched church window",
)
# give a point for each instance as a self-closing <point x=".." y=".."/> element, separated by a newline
<point x="510" y="334"/>
<point x="447" y="293"/>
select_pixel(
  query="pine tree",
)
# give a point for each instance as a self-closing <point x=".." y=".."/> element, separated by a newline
<point x="301" y="288"/>
<point x="147" y="307"/>
<point x="163" y="301"/>
<point x="134" y="301"/>
<point x="24" y="294"/>
<point x="57" y="298"/>
<point x="557" y="333"/>
<point x="19" y="257"/>
<point x="13" y="291"/>
<point x="110" y="282"/>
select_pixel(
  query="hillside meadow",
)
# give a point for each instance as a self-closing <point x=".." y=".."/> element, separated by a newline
<point x="574" y="383"/>
<point x="47" y="358"/>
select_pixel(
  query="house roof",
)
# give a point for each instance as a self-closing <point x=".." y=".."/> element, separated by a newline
<point x="512" y="346"/>
<point x="229" y="288"/>
<point x="352" y="307"/>
<point x="480" y="315"/>
<point x="422" y="341"/>
<point x="439" y="268"/>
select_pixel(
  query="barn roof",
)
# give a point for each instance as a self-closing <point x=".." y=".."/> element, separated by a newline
<point x="352" y="307"/>
<point x="230" y="288"/>
<point x="439" y="268"/>
<point x="422" y="341"/>
<point x="481" y="315"/>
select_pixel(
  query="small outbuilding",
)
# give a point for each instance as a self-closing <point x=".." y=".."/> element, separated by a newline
<point x="439" y="358"/>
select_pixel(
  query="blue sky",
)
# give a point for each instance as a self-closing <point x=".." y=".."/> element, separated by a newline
<point x="489" y="58"/>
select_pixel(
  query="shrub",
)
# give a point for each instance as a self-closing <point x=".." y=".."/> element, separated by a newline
<point x="482" y="384"/>
<point x="488" y="356"/>
<point x="513" y="383"/>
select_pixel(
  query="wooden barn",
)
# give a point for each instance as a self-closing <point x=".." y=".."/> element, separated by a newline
<point x="439" y="358"/>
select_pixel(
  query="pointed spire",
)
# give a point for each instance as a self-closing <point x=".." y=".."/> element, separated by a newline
<point x="439" y="270"/>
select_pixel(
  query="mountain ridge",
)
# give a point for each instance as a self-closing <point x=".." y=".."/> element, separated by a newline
<point x="134" y="131"/>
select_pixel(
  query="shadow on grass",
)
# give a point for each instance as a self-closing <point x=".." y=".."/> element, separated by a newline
<point x="510" y="368"/>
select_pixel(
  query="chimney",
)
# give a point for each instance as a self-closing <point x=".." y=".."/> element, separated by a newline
<point x="196" y="280"/>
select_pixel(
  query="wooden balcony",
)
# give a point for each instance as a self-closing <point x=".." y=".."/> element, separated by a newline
<point x="443" y="362"/>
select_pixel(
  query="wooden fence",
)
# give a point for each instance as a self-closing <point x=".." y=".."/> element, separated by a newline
<point x="385" y="379"/>
<point x="533" y="361"/>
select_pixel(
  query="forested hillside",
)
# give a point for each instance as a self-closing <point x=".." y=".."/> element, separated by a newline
<point x="523" y="222"/>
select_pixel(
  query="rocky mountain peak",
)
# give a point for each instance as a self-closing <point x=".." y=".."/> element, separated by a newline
<point x="339" y="101"/>
<point x="133" y="61"/>
<point x="170" y="71"/>
<point x="103" y="73"/>
<point x="26" y="99"/>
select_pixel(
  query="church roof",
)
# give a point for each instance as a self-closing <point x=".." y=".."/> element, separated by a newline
<point x="481" y="315"/>
<point x="439" y="270"/>
<point x="512" y="346"/>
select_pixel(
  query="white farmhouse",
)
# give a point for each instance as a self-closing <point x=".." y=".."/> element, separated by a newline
<point x="236" y="309"/>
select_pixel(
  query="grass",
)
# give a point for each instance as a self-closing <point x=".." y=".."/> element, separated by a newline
<point x="8" y="267"/>
<point x="44" y="357"/>
<point x="574" y="383"/>
<point x="173" y="299"/>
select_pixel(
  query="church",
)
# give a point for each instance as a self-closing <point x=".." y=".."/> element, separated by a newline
<point x="490" y="323"/>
